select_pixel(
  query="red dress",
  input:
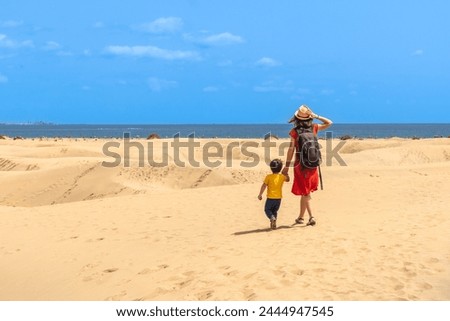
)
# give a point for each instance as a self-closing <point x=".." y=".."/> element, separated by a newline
<point x="305" y="180"/>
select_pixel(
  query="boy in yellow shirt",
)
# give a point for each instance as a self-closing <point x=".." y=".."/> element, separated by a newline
<point x="274" y="183"/>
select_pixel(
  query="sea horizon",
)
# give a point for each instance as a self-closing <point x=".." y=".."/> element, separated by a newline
<point x="217" y="130"/>
<point x="27" y="123"/>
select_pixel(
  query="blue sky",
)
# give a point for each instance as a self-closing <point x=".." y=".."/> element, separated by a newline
<point x="202" y="61"/>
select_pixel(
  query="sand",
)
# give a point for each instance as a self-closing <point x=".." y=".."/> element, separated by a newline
<point x="73" y="229"/>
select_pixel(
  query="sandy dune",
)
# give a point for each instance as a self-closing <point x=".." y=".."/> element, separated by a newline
<point x="73" y="229"/>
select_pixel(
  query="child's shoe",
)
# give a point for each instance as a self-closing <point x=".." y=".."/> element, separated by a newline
<point x="273" y="223"/>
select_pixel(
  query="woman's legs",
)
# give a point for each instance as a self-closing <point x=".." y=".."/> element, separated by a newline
<point x="305" y="206"/>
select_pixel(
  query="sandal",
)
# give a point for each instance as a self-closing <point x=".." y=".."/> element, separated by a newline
<point x="299" y="220"/>
<point x="311" y="221"/>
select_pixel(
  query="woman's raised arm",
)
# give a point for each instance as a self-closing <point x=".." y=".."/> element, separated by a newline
<point x="325" y="122"/>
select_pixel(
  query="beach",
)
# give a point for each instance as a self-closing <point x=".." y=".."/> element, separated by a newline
<point x="78" y="224"/>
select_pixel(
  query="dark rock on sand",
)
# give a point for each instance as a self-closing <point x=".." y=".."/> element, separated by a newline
<point x="270" y="136"/>
<point x="153" y="136"/>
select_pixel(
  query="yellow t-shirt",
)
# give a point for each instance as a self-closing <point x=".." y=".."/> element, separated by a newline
<point x="274" y="184"/>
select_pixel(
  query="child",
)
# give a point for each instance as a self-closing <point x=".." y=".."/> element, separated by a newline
<point x="274" y="183"/>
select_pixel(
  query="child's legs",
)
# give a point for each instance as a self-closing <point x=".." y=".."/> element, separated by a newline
<point x="272" y="206"/>
<point x="276" y="207"/>
<point x="268" y="208"/>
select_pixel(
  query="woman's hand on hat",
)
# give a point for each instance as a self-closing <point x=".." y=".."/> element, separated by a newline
<point x="311" y="113"/>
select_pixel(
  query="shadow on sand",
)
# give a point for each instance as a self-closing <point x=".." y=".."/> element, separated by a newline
<point x="262" y="230"/>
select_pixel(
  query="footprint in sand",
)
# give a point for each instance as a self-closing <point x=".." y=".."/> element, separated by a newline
<point x="87" y="279"/>
<point x="339" y="251"/>
<point x="409" y="269"/>
<point x="184" y="283"/>
<point x="189" y="273"/>
<point x="279" y="272"/>
<point x="425" y="286"/>
<point x="433" y="260"/>
<point x="399" y="287"/>
<point x="88" y="267"/>
<point x="111" y="270"/>
<point x="202" y="296"/>
<point x="249" y="295"/>
<point x="145" y="271"/>
<point x="201" y="178"/>
<point x="298" y="272"/>
<point x="319" y="270"/>
<point x="117" y="297"/>
<point x="396" y="284"/>
<point x="250" y="275"/>
<point x="231" y="273"/>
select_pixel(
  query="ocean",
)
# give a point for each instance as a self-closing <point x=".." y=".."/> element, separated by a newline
<point x="220" y="130"/>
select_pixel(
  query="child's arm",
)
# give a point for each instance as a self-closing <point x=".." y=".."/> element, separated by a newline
<point x="263" y="188"/>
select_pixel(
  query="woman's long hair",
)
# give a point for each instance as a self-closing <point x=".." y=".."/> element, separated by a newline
<point x="298" y="123"/>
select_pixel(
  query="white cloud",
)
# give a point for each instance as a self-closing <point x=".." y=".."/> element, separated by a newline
<point x="51" y="45"/>
<point x="3" y="79"/>
<point x="6" y="42"/>
<point x="6" y="56"/>
<point x="98" y="24"/>
<point x="63" y="53"/>
<point x="272" y="86"/>
<point x="157" y="84"/>
<point x="10" y="24"/>
<point x="304" y="91"/>
<point x="225" y="63"/>
<point x="225" y="38"/>
<point x="221" y="39"/>
<point x="267" y="62"/>
<point x="418" y="52"/>
<point x="161" y="25"/>
<point x="327" y="92"/>
<point x="210" y="89"/>
<point x="152" y="52"/>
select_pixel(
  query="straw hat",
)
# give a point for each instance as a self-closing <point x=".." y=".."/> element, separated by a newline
<point x="303" y="113"/>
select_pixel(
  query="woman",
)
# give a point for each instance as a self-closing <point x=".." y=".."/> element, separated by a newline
<point x="306" y="180"/>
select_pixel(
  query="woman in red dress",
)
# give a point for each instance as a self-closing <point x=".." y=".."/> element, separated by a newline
<point x="305" y="180"/>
